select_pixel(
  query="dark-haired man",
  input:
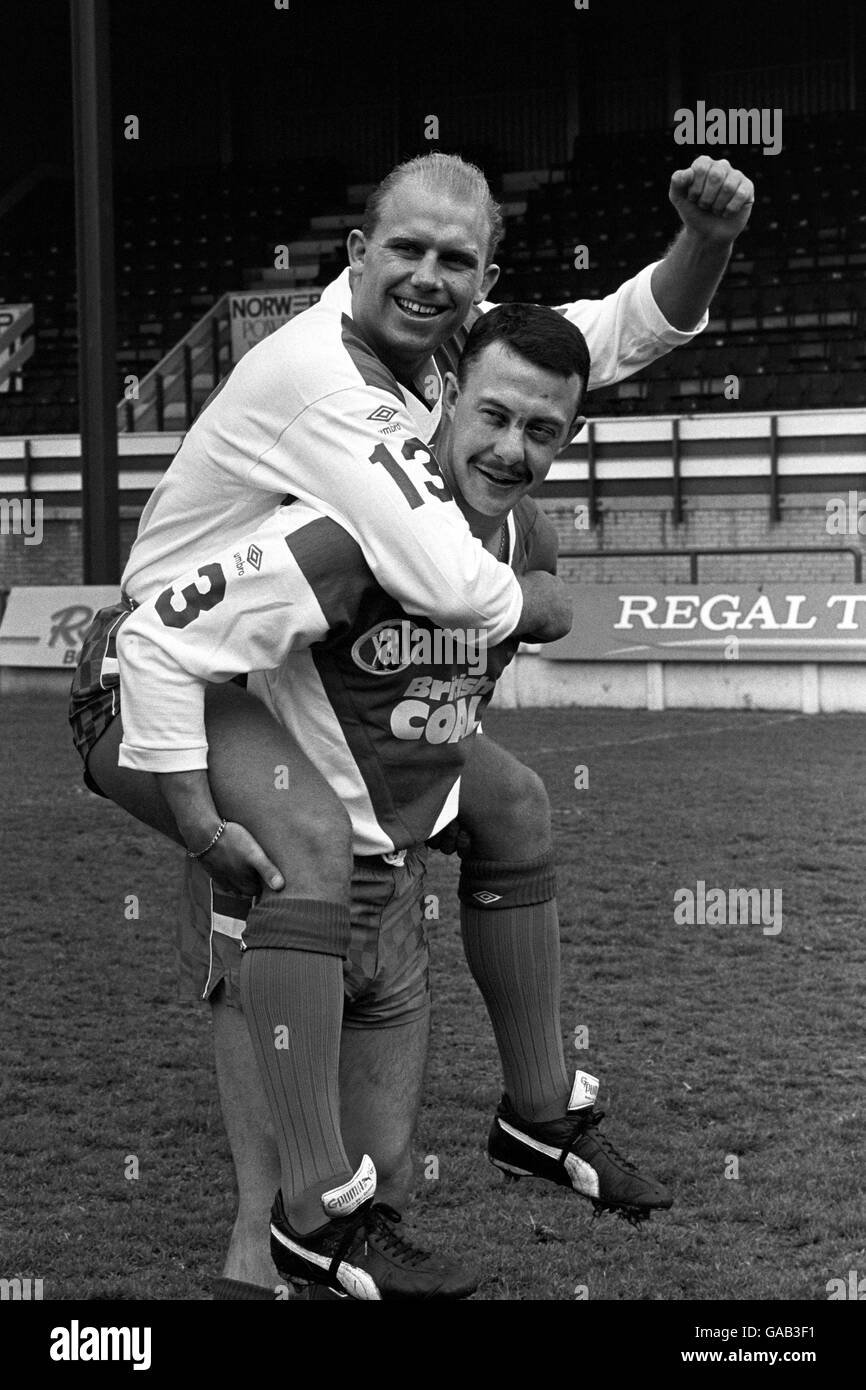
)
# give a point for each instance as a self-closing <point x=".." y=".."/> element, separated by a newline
<point x="388" y="719"/>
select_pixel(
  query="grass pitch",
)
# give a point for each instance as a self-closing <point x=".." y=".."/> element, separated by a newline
<point x="731" y="1060"/>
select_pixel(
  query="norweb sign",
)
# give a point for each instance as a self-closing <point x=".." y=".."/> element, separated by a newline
<point x="255" y="316"/>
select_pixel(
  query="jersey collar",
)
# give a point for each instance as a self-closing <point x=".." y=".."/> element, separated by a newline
<point x="337" y="298"/>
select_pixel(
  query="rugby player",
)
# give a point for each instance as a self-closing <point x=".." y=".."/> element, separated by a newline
<point x="388" y="721"/>
<point x="337" y="408"/>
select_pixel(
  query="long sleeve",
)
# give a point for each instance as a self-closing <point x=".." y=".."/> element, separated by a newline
<point x="242" y="610"/>
<point x="624" y="331"/>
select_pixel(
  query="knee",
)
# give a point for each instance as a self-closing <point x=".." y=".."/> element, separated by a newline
<point x="515" y="824"/>
<point x="532" y="800"/>
<point x="523" y="801"/>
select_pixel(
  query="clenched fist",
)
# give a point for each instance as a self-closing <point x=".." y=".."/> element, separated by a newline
<point x="712" y="198"/>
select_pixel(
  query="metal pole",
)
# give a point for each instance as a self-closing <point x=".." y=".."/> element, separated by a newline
<point x="775" y="509"/>
<point x="592" y="481"/>
<point x="187" y="384"/>
<point x="677" y="477"/>
<point x="160" y="402"/>
<point x="97" y="369"/>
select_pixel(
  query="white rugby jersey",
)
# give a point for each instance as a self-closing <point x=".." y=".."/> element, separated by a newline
<point x="383" y="704"/>
<point x="311" y="413"/>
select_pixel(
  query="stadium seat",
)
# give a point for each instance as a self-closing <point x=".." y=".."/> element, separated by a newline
<point x="790" y="316"/>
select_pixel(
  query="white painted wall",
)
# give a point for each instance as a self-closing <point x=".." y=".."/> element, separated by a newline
<point x="811" y="688"/>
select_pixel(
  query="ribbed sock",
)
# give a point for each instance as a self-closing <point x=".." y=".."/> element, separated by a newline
<point x="513" y="954"/>
<point x="293" y="1002"/>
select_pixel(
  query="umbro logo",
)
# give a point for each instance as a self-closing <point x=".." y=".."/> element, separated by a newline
<point x="487" y="898"/>
<point x="254" y="557"/>
<point x="382" y="413"/>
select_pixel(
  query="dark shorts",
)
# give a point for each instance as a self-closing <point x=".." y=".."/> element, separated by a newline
<point x="94" y="699"/>
<point x="386" y="972"/>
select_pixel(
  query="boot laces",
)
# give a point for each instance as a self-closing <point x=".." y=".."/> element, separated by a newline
<point x="382" y="1223"/>
<point x="591" y="1120"/>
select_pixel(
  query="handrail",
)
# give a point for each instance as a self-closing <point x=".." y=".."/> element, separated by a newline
<point x="220" y="304"/>
<point x="205" y="351"/>
<point x="18" y="327"/>
<point x="170" y="381"/>
<point x="17" y="341"/>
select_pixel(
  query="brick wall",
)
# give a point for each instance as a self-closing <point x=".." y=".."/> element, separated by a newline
<point x="712" y="522"/>
<point x="626" y="524"/>
<point x="58" y="559"/>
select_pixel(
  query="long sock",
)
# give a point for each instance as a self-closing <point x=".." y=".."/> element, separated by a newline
<point x="293" y="1001"/>
<point x="513" y="954"/>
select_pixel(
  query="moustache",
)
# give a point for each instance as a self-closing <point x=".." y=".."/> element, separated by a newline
<point x="502" y="475"/>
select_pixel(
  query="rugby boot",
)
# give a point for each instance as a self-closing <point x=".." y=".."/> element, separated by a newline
<point x="359" y="1252"/>
<point x="571" y="1153"/>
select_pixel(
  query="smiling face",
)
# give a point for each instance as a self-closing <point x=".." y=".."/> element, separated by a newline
<point x="416" y="278"/>
<point x="507" y="423"/>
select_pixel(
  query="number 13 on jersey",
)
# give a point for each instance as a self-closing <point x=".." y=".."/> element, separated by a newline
<point x="413" y="451"/>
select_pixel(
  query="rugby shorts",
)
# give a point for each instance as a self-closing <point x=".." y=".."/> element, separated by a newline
<point x="386" y="973"/>
<point x="94" y="699"/>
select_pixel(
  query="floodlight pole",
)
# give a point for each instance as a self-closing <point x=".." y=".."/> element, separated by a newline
<point x="94" y="234"/>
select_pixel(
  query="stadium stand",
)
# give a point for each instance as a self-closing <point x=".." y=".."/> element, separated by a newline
<point x="788" y="322"/>
<point x="182" y="239"/>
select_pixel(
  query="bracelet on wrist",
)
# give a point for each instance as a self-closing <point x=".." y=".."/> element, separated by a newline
<point x="202" y="852"/>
